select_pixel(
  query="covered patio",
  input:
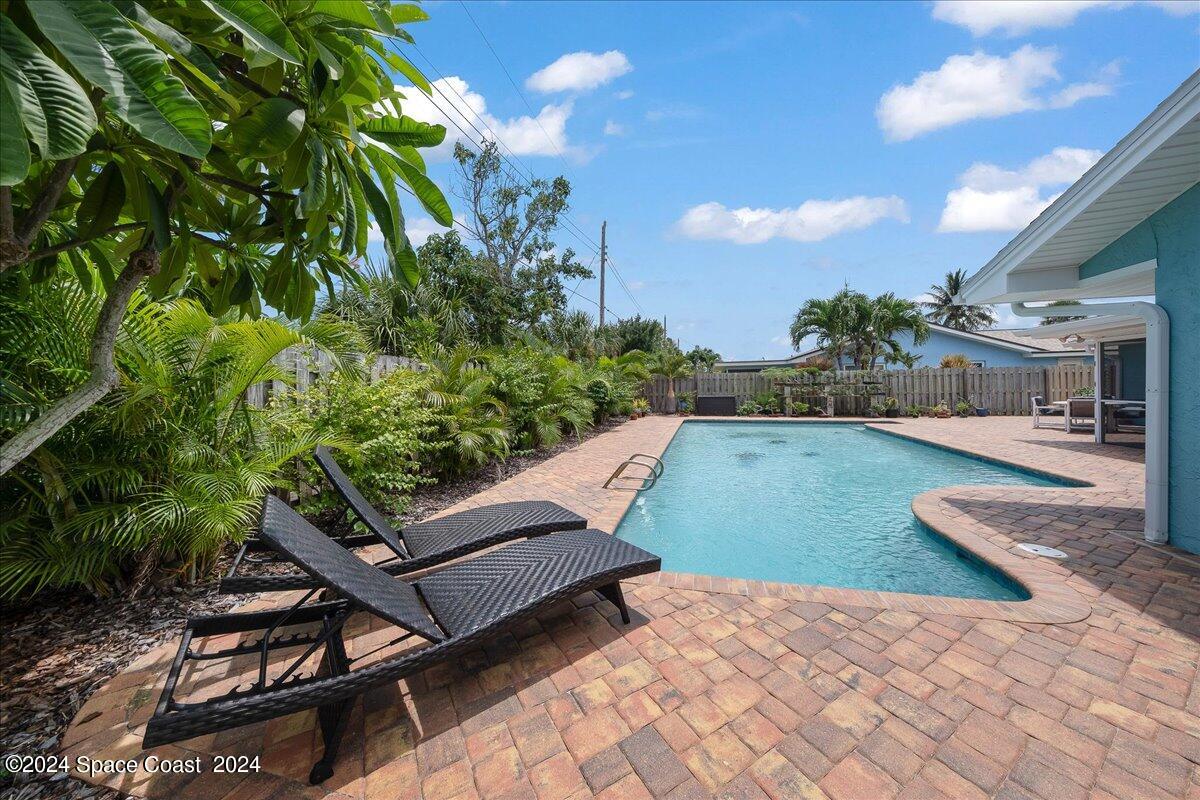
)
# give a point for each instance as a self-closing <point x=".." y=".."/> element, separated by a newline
<point x="1121" y="383"/>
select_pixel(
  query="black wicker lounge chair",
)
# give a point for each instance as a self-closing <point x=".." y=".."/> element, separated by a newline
<point x="455" y="611"/>
<point x="415" y="547"/>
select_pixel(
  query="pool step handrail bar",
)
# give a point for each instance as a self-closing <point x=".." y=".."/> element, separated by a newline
<point x="646" y="481"/>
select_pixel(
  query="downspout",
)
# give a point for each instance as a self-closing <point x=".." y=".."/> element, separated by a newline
<point x="1158" y="330"/>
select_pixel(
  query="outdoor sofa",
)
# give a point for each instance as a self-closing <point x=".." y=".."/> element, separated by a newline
<point x="455" y="611"/>
<point x="414" y="547"/>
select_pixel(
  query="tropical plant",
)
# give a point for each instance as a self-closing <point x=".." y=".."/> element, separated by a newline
<point x="767" y="402"/>
<point x="635" y="333"/>
<point x="747" y="408"/>
<point x="571" y="333"/>
<point x="942" y="310"/>
<point x="469" y="415"/>
<point x="852" y="325"/>
<point x="387" y="430"/>
<point x="703" y="358"/>
<point x="1061" y="304"/>
<point x="672" y="366"/>
<point x="955" y="361"/>
<point x="546" y="395"/>
<point x="913" y="411"/>
<point x="237" y="150"/>
<point x="614" y="382"/>
<point x="399" y="319"/>
<point x="962" y="408"/>
<point x="171" y="466"/>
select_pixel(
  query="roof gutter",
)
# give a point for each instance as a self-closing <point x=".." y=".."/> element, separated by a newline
<point x="1158" y="331"/>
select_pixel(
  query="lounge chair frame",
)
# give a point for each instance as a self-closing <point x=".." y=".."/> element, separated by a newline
<point x="497" y="524"/>
<point x="587" y="561"/>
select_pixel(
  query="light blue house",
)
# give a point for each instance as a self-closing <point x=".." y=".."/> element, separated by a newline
<point x="1130" y="227"/>
<point x="991" y="348"/>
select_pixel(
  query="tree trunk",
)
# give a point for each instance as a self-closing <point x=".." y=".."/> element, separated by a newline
<point x="103" y="379"/>
<point x="16" y="239"/>
<point x="672" y="406"/>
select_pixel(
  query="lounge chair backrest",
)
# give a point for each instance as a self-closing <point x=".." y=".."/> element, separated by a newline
<point x="1038" y="400"/>
<point x="337" y="568"/>
<point x="376" y="522"/>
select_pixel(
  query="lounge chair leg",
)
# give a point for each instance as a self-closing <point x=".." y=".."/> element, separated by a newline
<point x="612" y="593"/>
<point x="334" y="716"/>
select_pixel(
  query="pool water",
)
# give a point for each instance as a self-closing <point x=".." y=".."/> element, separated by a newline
<point x="825" y="504"/>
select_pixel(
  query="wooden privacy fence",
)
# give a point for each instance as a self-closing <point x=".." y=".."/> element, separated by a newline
<point x="308" y="366"/>
<point x="1004" y="390"/>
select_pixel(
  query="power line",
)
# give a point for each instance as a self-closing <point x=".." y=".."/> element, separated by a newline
<point x="568" y="223"/>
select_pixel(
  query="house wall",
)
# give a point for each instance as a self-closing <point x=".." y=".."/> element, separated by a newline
<point x="941" y="343"/>
<point x="1172" y="236"/>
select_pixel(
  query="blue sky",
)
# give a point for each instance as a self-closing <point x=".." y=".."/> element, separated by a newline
<point x="750" y="156"/>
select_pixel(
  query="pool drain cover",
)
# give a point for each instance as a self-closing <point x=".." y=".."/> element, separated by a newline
<point x="1042" y="550"/>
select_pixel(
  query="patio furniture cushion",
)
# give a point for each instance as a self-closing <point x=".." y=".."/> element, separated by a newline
<point x="472" y="595"/>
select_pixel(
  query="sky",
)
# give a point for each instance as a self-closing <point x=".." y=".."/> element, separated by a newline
<point x="748" y="156"/>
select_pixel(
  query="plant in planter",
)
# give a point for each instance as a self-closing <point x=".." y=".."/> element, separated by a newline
<point x="686" y="402"/>
<point x="801" y="409"/>
<point x="941" y="411"/>
<point x="767" y="402"/>
<point x="1084" y="391"/>
<point x="641" y="407"/>
<point x="963" y="408"/>
<point x="876" y="410"/>
<point x="747" y="409"/>
<point x="913" y="411"/>
<point x="891" y="408"/>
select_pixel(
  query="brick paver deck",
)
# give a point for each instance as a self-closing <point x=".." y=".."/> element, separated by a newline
<point x="740" y="689"/>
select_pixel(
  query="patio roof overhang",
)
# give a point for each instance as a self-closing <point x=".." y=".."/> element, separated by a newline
<point x="1091" y="329"/>
<point x="1147" y="169"/>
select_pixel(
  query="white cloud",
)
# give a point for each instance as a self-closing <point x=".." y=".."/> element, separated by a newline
<point x="981" y="86"/>
<point x="811" y="221"/>
<point x="577" y="72"/>
<point x="454" y="102"/>
<point x="418" y="229"/>
<point x="624" y="94"/>
<point x="991" y="198"/>
<point x="613" y="128"/>
<point x="1018" y="17"/>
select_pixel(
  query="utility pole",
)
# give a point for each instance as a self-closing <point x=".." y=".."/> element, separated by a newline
<point x="603" y="256"/>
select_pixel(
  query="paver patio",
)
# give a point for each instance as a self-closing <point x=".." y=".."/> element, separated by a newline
<point x="740" y="689"/>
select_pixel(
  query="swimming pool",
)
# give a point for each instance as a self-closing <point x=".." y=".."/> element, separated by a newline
<point x="825" y="504"/>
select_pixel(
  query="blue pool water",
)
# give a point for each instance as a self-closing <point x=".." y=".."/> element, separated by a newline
<point x="815" y="504"/>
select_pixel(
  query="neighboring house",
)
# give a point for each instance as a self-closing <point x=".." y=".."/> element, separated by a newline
<point x="1129" y="227"/>
<point x="992" y="348"/>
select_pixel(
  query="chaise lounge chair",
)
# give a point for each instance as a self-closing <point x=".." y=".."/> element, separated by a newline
<point x="415" y="547"/>
<point x="455" y="611"/>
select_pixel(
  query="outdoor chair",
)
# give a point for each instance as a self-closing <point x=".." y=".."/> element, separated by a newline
<point x="414" y="547"/>
<point x="455" y="611"/>
<point x="1081" y="413"/>
<point x="1042" y="409"/>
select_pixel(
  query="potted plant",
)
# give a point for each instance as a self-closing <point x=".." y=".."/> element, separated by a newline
<point x="891" y="408"/>
<point x="876" y="410"/>
<point x="963" y="408"/>
<point x="747" y="409"/>
<point x="641" y="407"/>
<point x="913" y="411"/>
<point x="686" y="403"/>
<point x="941" y="411"/>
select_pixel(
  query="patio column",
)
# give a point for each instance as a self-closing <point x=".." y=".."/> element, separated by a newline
<point x="1097" y="384"/>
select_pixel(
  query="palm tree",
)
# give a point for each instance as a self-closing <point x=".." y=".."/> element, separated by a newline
<point x="830" y="320"/>
<point x="1060" y="304"/>
<point x="862" y="328"/>
<point x="671" y="365"/>
<point x="892" y="316"/>
<point x="941" y="308"/>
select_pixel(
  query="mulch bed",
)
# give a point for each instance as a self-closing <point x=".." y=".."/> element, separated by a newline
<point x="57" y="650"/>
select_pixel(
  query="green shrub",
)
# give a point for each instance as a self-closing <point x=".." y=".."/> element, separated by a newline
<point x="767" y="402"/>
<point x="169" y="467"/>
<point x="387" y="430"/>
<point x="801" y="409"/>
<point x="748" y="409"/>
<point x="913" y="411"/>
<point x="545" y="396"/>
